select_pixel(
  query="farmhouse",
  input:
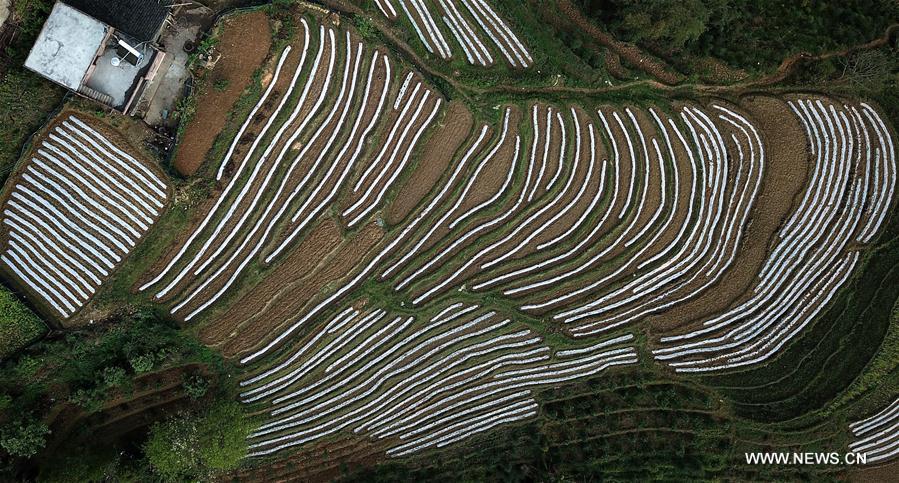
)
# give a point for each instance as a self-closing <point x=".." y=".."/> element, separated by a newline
<point x="106" y="51"/>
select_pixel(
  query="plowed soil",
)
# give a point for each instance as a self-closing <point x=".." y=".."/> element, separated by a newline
<point x="244" y="44"/>
<point x="434" y="159"/>
<point x="315" y="248"/>
<point x="292" y="292"/>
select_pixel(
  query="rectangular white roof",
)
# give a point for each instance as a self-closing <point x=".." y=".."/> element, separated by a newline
<point x="66" y="46"/>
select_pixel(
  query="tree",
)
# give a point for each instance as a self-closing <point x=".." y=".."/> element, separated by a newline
<point x="868" y="69"/>
<point x="24" y="438"/>
<point x="193" y="445"/>
<point x="674" y="22"/>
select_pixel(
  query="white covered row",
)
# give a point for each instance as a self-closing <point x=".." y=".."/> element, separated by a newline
<point x="807" y="267"/>
<point x="456" y="376"/>
<point x="877" y="436"/>
<point x="421" y="17"/>
<point x="238" y="180"/>
<point x="77" y="210"/>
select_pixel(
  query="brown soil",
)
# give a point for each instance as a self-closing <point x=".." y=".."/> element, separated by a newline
<point x="331" y="161"/>
<point x="110" y="128"/>
<point x="445" y="202"/>
<point x="540" y="202"/>
<point x="783" y="182"/>
<point x="351" y="198"/>
<point x="376" y="139"/>
<point x="239" y="60"/>
<point x="554" y="152"/>
<point x="293" y="296"/>
<point x="646" y="192"/>
<point x="316" y="248"/>
<point x="494" y="174"/>
<point x="580" y="205"/>
<point x="881" y="473"/>
<point x="613" y="223"/>
<point x="489" y="182"/>
<point x="255" y="126"/>
<point x="436" y="156"/>
<point x="318" y="82"/>
<point x="319" y="462"/>
<point x="725" y="130"/>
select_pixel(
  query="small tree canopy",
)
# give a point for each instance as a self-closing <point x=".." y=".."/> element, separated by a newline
<point x="192" y="445"/>
<point x="675" y="22"/>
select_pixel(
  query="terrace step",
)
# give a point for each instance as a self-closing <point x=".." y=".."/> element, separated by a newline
<point x="96" y="95"/>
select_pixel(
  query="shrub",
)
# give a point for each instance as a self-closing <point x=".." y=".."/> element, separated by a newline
<point x="24" y="438"/>
<point x="142" y="363"/>
<point x="221" y="84"/>
<point x="195" y="386"/>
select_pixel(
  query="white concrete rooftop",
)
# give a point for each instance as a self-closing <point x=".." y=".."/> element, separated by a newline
<point x="66" y="46"/>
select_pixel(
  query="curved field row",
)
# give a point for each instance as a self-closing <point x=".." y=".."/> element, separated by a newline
<point x="617" y="190"/>
<point x="877" y="436"/>
<point x="337" y="99"/>
<point x="470" y="23"/>
<point x="75" y="212"/>
<point x="597" y="432"/>
<point x="602" y="219"/>
<point x="415" y="384"/>
<point x="360" y="267"/>
<point x="844" y="204"/>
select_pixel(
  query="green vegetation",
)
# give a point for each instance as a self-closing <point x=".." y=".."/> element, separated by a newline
<point x="27" y="99"/>
<point x="19" y="326"/>
<point x="627" y="425"/>
<point x="198" y="444"/>
<point x="221" y="84"/>
<point x="74" y="378"/>
<point x="24" y="438"/>
<point x="671" y="22"/>
<point x="623" y="427"/>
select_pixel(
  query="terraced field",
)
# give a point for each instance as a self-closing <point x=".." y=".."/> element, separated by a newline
<point x="76" y="209"/>
<point x="421" y="276"/>
<point x="409" y="300"/>
<point x="471" y="24"/>
<point x="876" y="436"/>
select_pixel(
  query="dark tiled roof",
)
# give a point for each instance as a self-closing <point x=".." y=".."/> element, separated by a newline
<point x="140" y="19"/>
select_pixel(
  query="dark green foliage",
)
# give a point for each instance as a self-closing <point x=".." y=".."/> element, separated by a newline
<point x="195" y="386"/>
<point x="365" y="28"/>
<point x="88" y="368"/>
<point x="617" y="426"/>
<point x="672" y="22"/>
<point x="831" y="353"/>
<point x="26" y="98"/>
<point x="750" y="34"/>
<point x="92" y="362"/>
<point x="221" y="84"/>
